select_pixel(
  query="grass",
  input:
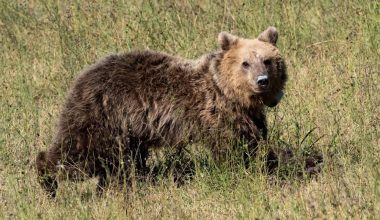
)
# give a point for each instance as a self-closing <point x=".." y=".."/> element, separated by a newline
<point x="332" y="105"/>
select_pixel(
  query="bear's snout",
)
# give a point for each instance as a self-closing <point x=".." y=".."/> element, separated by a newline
<point x="262" y="81"/>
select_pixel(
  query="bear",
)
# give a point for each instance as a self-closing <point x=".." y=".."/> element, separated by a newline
<point x="125" y="104"/>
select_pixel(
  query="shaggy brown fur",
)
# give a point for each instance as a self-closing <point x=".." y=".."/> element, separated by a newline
<point x="127" y="103"/>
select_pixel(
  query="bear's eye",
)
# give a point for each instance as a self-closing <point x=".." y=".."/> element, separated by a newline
<point x="267" y="62"/>
<point x="245" y="64"/>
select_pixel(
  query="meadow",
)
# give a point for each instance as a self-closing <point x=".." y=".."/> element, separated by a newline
<point x="331" y="106"/>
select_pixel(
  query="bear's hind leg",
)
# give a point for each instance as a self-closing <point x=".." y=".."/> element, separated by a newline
<point x="103" y="182"/>
<point x="140" y="157"/>
<point x="47" y="172"/>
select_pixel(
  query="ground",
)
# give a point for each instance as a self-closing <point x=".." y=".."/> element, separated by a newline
<point x="331" y="105"/>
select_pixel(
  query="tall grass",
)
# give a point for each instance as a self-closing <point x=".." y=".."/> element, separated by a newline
<point x="332" y="104"/>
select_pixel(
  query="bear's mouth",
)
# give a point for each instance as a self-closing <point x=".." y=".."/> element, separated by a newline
<point x="272" y="102"/>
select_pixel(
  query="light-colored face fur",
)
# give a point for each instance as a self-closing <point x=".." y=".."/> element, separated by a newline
<point x="252" y="70"/>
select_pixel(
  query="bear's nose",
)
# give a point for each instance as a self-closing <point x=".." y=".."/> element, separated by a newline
<point x="262" y="80"/>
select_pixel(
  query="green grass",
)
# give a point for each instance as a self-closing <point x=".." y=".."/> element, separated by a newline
<point x="332" y="50"/>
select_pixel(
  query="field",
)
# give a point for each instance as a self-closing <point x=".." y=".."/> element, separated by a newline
<point x="331" y="106"/>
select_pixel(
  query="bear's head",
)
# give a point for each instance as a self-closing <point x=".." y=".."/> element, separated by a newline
<point x="251" y="71"/>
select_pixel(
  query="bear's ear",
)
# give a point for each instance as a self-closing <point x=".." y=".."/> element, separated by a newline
<point x="270" y="35"/>
<point x="226" y="40"/>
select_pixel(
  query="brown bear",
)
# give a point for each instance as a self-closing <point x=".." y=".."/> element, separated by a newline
<point x="125" y="104"/>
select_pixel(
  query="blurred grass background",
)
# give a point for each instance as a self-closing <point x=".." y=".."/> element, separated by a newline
<point x="332" y="104"/>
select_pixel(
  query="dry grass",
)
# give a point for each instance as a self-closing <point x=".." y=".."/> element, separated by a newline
<point x="332" y="50"/>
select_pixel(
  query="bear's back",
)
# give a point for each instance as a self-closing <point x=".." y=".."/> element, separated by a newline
<point x="150" y="93"/>
<point x="143" y="72"/>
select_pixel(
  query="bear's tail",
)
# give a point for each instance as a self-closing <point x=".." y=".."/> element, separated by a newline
<point x="41" y="162"/>
<point x="46" y="173"/>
